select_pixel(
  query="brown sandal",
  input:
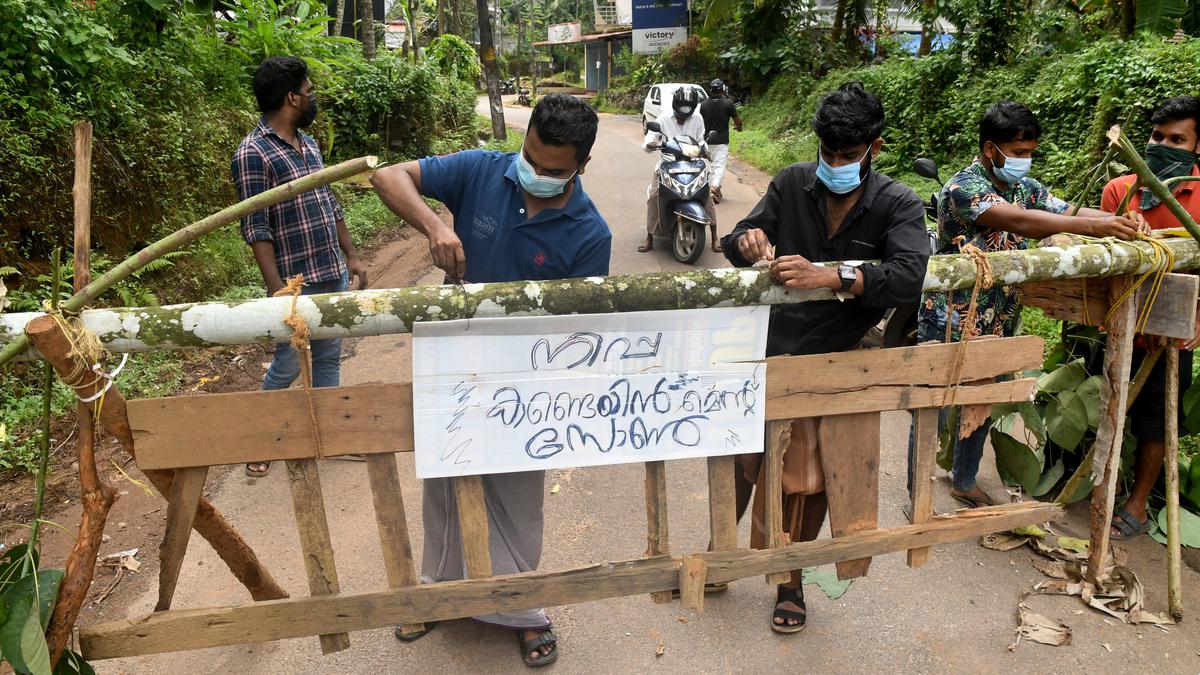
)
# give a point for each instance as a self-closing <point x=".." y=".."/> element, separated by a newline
<point x="647" y="246"/>
<point x="253" y="471"/>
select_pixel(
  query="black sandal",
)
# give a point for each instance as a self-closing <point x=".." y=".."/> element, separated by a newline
<point x="543" y="638"/>
<point x="794" y="595"/>
<point x="413" y="636"/>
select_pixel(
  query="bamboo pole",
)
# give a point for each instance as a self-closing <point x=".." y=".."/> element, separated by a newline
<point x="1146" y="177"/>
<point x="96" y="495"/>
<point x="386" y="311"/>
<point x="187" y="235"/>
<point x="1171" y="461"/>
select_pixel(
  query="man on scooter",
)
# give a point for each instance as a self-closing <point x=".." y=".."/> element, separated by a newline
<point x="682" y="120"/>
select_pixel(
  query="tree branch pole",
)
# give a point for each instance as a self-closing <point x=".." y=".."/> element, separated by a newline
<point x="48" y="337"/>
<point x="1146" y="177"/>
<point x="1171" y="462"/>
<point x="17" y="343"/>
<point x="387" y="311"/>
<point x="96" y="495"/>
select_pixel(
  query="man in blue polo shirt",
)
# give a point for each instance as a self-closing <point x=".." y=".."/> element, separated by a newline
<point x="517" y="216"/>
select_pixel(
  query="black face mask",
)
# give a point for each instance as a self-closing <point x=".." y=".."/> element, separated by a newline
<point x="308" y="114"/>
<point x="1166" y="162"/>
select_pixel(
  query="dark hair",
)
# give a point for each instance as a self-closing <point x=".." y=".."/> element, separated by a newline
<point x="848" y="116"/>
<point x="1178" y="108"/>
<point x="561" y="119"/>
<point x="1006" y="121"/>
<point x="277" y="77"/>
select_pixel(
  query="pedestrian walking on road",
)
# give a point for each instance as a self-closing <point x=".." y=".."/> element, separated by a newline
<point x="717" y="111"/>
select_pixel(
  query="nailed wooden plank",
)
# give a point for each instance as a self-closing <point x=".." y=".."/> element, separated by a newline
<point x="691" y="582"/>
<point x="181" y="513"/>
<point x="657" y="532"/>
<point x="180" y="430"/>
<point x="722" y="503"/>
<point x="1118" y="355"/>
<point x="363" y="419"/>
<point x="1173" y="313"/>
<point x="384" y="478"/>
<point x="925" y="451"/>
<point x="308" y="502"/>
<point x="280" y="619"/>
<point x="1171" y="468"/>
<point x="850" y="458"/>
<point x="777" y="437"/>
<point x="473" y="523"/>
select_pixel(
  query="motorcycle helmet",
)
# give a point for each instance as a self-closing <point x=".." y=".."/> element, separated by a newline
<point x="684" y="101"/>
<point x="716" y="86"/>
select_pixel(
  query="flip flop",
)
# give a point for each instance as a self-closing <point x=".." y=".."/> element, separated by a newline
<point x="1128" y="526"/>
<point x="973" y="502"/>
<point x="413" y="636"/>
<point x="648" y="245"/>
<point x="543" y="638"/>
<point x="795" y="596"/>
<point x="258" y="473"/>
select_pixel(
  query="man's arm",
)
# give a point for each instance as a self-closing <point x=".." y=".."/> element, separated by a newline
<point x="754" y="237"/>
<point x="358" y="271"/>
<point x="737" y="118"/>
<point x="250" y="177"/>
<point x="898" y="278"/>
<point x="1049" y="218"/>
<point x="399" y="188"/>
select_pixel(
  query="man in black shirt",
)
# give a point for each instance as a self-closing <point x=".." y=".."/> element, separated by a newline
<point x="717" y="111"/>
<point x="836" y="209"/>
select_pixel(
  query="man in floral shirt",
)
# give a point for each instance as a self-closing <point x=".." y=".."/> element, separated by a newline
<point x="995" y="206"/>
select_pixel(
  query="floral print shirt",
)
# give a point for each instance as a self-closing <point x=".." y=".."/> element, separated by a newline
<point x="966" y="197"/>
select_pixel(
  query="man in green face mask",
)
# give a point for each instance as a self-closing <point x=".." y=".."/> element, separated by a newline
<point x="1170" y="153"/>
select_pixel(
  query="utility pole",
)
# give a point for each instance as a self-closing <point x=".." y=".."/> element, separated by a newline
<point x="487" y="54"/>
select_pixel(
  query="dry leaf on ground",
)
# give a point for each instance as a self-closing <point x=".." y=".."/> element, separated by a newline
<point x="1041" y="629"/>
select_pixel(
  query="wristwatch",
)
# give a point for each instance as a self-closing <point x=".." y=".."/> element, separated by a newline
<point x="848" y="275"/>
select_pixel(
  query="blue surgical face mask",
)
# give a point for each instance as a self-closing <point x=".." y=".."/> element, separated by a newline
<point x="840" y="179"/>
<point x="542" y="187"/>
<point x="1014" y="169"/>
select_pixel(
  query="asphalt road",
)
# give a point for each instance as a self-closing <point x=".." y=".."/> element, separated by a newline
<point x="956" y="614"/>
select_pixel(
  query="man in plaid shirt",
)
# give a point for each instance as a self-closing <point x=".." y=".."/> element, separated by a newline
<point x="304" y="235"/>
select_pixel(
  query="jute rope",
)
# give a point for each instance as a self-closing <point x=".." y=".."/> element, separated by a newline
<point x="300" y="343"/>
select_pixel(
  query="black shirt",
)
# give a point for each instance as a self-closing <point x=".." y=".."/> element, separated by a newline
<point x="716" y="113"/>
<point x="887" y="225"/>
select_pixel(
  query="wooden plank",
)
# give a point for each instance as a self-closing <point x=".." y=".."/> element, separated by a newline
<point x="359" y="420"/>
<point x="181" y="513"/>
<point x="1173" y="313"/>
<point x="722" y="503"/>
<point x="384" y="478"/>
<point x="1171" y="462"/>
<point x="363" y="419"/>
<point x="691" y="582"/>
<point x="1107" y="461"/>
<point x="925" y="450"/>
<point x="281" y="619"/>
<point x="309" y="505"/>
<point x="473" y="524"/>
<point x="778" y="437"/>
<point x="850" y="458"/>
<point x="657" y="532"/>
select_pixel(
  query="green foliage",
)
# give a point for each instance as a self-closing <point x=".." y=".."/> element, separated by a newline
<point x="263" y="28"/>
<point x="454" y="57"/>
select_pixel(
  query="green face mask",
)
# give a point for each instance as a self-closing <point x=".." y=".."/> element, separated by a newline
<point x="1166" y="162"/>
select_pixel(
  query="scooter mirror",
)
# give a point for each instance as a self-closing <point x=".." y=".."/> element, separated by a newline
<point x="926" y="168"/>
<point x="653" y="126"/>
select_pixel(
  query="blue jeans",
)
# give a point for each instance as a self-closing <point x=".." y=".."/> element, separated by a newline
<point x="326" y="354"/>
<point x="967" y="451"/>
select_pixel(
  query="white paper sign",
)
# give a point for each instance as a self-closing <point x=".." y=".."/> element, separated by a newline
<point x="546" y="392"/>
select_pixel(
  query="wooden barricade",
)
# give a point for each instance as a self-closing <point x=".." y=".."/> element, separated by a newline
<point x="189" y="434"/>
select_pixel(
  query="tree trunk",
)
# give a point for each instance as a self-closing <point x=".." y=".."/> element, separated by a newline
<point x="441" y="19"/>
<point x="456" y="26"/>
<point x="366" y="27"/>
<point x="839" y="21"/>
<point x="412" y="30"/>
<point x="387" y="311"/>
<point x="491" y="72"/>
<point x="928" y="26"/>
<point x="337" y="20"/>
<point x="1128" y="19"/>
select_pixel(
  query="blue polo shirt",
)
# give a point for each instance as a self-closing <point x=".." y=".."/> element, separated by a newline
<point x="481" y="189"/>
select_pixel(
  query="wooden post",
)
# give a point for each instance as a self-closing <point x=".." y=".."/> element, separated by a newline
<point x="691" y="582"/>
<point x="850" y="458"/>
<point x="778" y="437"/>
<point x="309" y="505"/>
<point x="473" y="524"/>
<point x="722" y="503"/>
<point x="96" y="495"/>
<point x="1117" y="357"/>
<point x="925" y="436"/>
<point x="384" y="478"/>
<point x="1171" y="462"/>
<point x="657" y="539"/>
<point x="181" y="512"/>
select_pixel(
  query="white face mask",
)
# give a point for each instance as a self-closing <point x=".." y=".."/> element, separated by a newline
<point x="542" y="187"/>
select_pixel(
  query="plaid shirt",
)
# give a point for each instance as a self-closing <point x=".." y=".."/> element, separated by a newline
<point x="303" y="229"/>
